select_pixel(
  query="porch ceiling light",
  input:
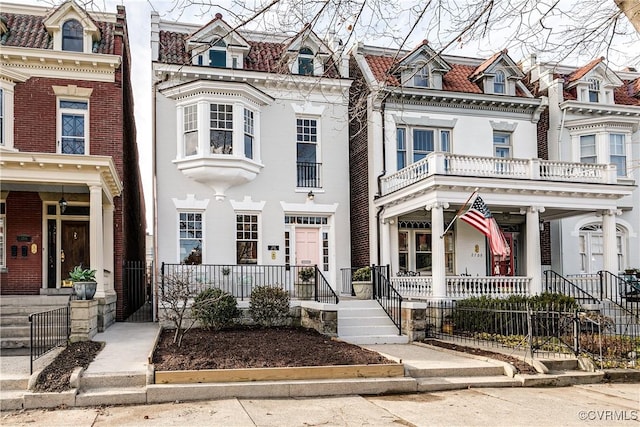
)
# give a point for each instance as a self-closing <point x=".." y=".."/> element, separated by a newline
<point x="62" y="202"/>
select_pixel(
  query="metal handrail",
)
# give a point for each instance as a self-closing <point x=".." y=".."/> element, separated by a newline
<point x="556" y="283"/>
<point x="615" y="289"/>
<point x="48" y="330"/>
<point x="324" y="292"/>
<point x="389" y="299"/>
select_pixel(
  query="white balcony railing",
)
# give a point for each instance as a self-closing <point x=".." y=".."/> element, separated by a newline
<point x="454" y="164"/>
<point x="459" y="287"/>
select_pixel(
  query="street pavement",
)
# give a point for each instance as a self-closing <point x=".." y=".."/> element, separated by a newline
<point x="615" y="404"/>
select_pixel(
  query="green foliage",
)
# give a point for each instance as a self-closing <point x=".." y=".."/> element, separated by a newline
<point x="214" y="308"/>
<point x="269" y="306"/>
<point x="307" y="273"/>
<point x="362" y="274"/>
<point x="79" y="274"/>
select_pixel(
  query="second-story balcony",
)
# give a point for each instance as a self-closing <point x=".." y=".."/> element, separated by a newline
<point x="309" y="175"/>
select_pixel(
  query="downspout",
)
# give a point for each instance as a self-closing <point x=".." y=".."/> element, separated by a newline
<point x="564" y="114"/>
<point x="379" y="178"/>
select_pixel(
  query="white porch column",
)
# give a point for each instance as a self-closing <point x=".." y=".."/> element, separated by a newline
<point x="609" y="247"/>
<point x="107" y="227"/>
<point x="387" y="250"/>
<point x="96" y="248"/>
<point x="533" y="264"/>
<point x="438" y="266"/>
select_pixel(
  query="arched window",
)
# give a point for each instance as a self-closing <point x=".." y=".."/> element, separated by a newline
<point x="72" y="39"/>
<point x="218" y="54"/>
<point x="305" y="62"/>
<point x="498" y="82"/>
<point x="591" y="248"/>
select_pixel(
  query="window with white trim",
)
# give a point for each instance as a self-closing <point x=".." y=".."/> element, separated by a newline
<point x="588" y="149"/>
<point x="3" y="240"/>
<point x="72" y="36"/>
<point x="594" y="90"/>
<point x="502" y="145"/>
<point x="305" y="62"/>
<point x="247" y="239"/>
<point x="422" y="77"/>
<point x="221" y="130"/>
<point x="190" y="125"/>
<point x="73" y="126"/>
<point x="591" y="248"/>
<point x="617" y="153"/>
<point x="416" y="143"/>
<point x="499" y="82"/>
<point x="415" y="248"/>
<point x="190" y="226"/>
<point x="249" y="133"/>
<point x="308" y="168"/>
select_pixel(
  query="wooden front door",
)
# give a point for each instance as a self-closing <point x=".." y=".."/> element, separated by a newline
<point x="75" y="246"/>
<point x="307" y="246"/>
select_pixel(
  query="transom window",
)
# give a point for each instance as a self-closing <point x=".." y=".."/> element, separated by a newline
<point x="499" y="82"/>
<point x="417" y="143"/>
<point x="617" y="153"/>
<point x="594" y="90"/>
<point x="421" y="79"/>
<point x="305" y="62"/>
<point x="588" y="149"/>
<point x="73" y="126"/>
<point x="221" y="133"/>
<point x="247" y="239"/>
<point x="190" y="115"/>
<point x="190" y="237"/>
<point x="308" y="170"/>
<point x="248" y="133"/>
<point x="72" y="36"/>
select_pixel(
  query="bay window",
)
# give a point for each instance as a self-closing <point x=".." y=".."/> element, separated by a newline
<point x="588" y="149"/>
<point x="190" y="124"/>
<point x="221" y="129"/>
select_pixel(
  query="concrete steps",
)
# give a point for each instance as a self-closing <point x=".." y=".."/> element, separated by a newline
<point x="365" y="322"/>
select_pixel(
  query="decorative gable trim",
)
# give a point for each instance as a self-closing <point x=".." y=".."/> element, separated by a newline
<point x="309" y="40"/>
<point x="499" y="65"/>
<point x="413" y="64"/>
<point x="202" y="40"/>
<point x="70" y="10"/>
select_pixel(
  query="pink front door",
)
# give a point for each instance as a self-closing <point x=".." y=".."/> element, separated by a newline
<point x="307" y="246"/>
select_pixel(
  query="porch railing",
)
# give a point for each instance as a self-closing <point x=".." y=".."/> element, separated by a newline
<point x="389" y="298"/>
<point x="239" y="280"/>
<point x="459" y="287"/>
<point x="48" y="330"/>
<point x="439" y="163"/>
<point x="620" y="292"/>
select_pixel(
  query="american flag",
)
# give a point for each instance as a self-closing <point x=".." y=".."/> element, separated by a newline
<point x="479" y="217"/>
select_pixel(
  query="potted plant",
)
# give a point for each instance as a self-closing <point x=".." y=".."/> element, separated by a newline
<point x="362" y="284"/>
<point x="304" y="288"/>
<point x="84" y="282"/>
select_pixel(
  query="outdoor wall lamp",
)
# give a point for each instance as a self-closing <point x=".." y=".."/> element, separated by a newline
<point x="541" y="225"/>
<point x="62" y="202"/>
<point x="310" y="195"/>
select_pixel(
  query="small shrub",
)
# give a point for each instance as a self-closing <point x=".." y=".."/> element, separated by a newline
<point x="269" y="306"/>
<point x="214" y="308"/>
<point x="362" y="274"/>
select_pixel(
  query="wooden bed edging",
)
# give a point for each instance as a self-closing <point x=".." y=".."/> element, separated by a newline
<point x="280" y="374"/>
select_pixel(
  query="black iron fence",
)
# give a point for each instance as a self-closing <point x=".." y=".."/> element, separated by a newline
<point x="48" y="330"/>
<point x="137" y="290"/>
<point x="309" y="175"/>
<point x="301" y="281"/>
<point x="386" y="295"/>
<point x="624" y="292"/>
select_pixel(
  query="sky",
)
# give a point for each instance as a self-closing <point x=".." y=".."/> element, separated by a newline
<point x="139" y="23"/>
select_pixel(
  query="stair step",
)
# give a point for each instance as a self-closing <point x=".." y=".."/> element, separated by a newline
<point x="11" y="400"/>
<point x="112" y="396"/>
<point x="358" y="321"/>
<point x="455" y="383"/>
<point x="367" y="330"/>
<point x="113" y="380"/>
<point x="9" y="382"/>
<point x="15" y="331"/>
<point x="14" y="320"/>
<point x="375" y="339"/>
<point x="473" y="371"/>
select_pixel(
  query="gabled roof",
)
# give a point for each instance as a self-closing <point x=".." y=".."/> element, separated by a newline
<point x="580" y="72"/>
<point x="29" y="31"/>
<point x="596" y="67"/>
<point x="424" y="53"/>
<point x="489" y="65"/>
<point x="264" y="56"/>
<point x="216" y="28"/>
<point x="56" y="18"/>
<point x="303" y="38"/>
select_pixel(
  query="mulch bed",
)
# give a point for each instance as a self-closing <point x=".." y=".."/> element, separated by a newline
<point x="246" y="347"/>
<point x="55" y="377"/>
<point x="521" y="367"/>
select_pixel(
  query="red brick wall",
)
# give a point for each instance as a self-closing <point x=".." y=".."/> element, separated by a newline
<point x="358" y="168"/>
<point x="23" y="217"/>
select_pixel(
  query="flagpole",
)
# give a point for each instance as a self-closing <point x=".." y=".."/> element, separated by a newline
<point x="458" y="213"/>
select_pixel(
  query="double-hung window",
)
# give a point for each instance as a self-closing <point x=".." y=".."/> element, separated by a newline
<point x="617" y="153"/>
<point x="246" y="239"/>
<point x="421" y="79"/>
<point x="305" y="62"/>
<point x="72" y="36"/>
<point x="249" y="133"/>
<point x="74" y="118"/>
<point x="190" y="124"/>
<point x="588" y="149"/>
<point x="594" y="90"/>
<point x="221" y="133"/>
<point x="190" y="224"/>
<point x="499" y="82"/>
<point x="401" y="148"/>
<point x="501" y="149"/>
<point x="306" y="153"/>
<point x="218" y="54"/>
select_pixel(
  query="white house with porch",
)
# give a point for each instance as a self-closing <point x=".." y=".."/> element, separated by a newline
<point x="441" y="127"/>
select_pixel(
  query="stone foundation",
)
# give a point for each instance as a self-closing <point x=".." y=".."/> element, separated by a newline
<point x="414" y="320"/>
<point x="84" y="320"/>
<point x="321" y="317"/>
<point x="106" y="311"/>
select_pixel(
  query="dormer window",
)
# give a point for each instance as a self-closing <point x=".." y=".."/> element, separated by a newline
<point x="499" y="82"/>
<point x="218" y="54"/>
<point x="305" y="62"/>
<point x="72" y="36"/>
<point x="421" y="79"/>
<point x="594" y="90"/>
